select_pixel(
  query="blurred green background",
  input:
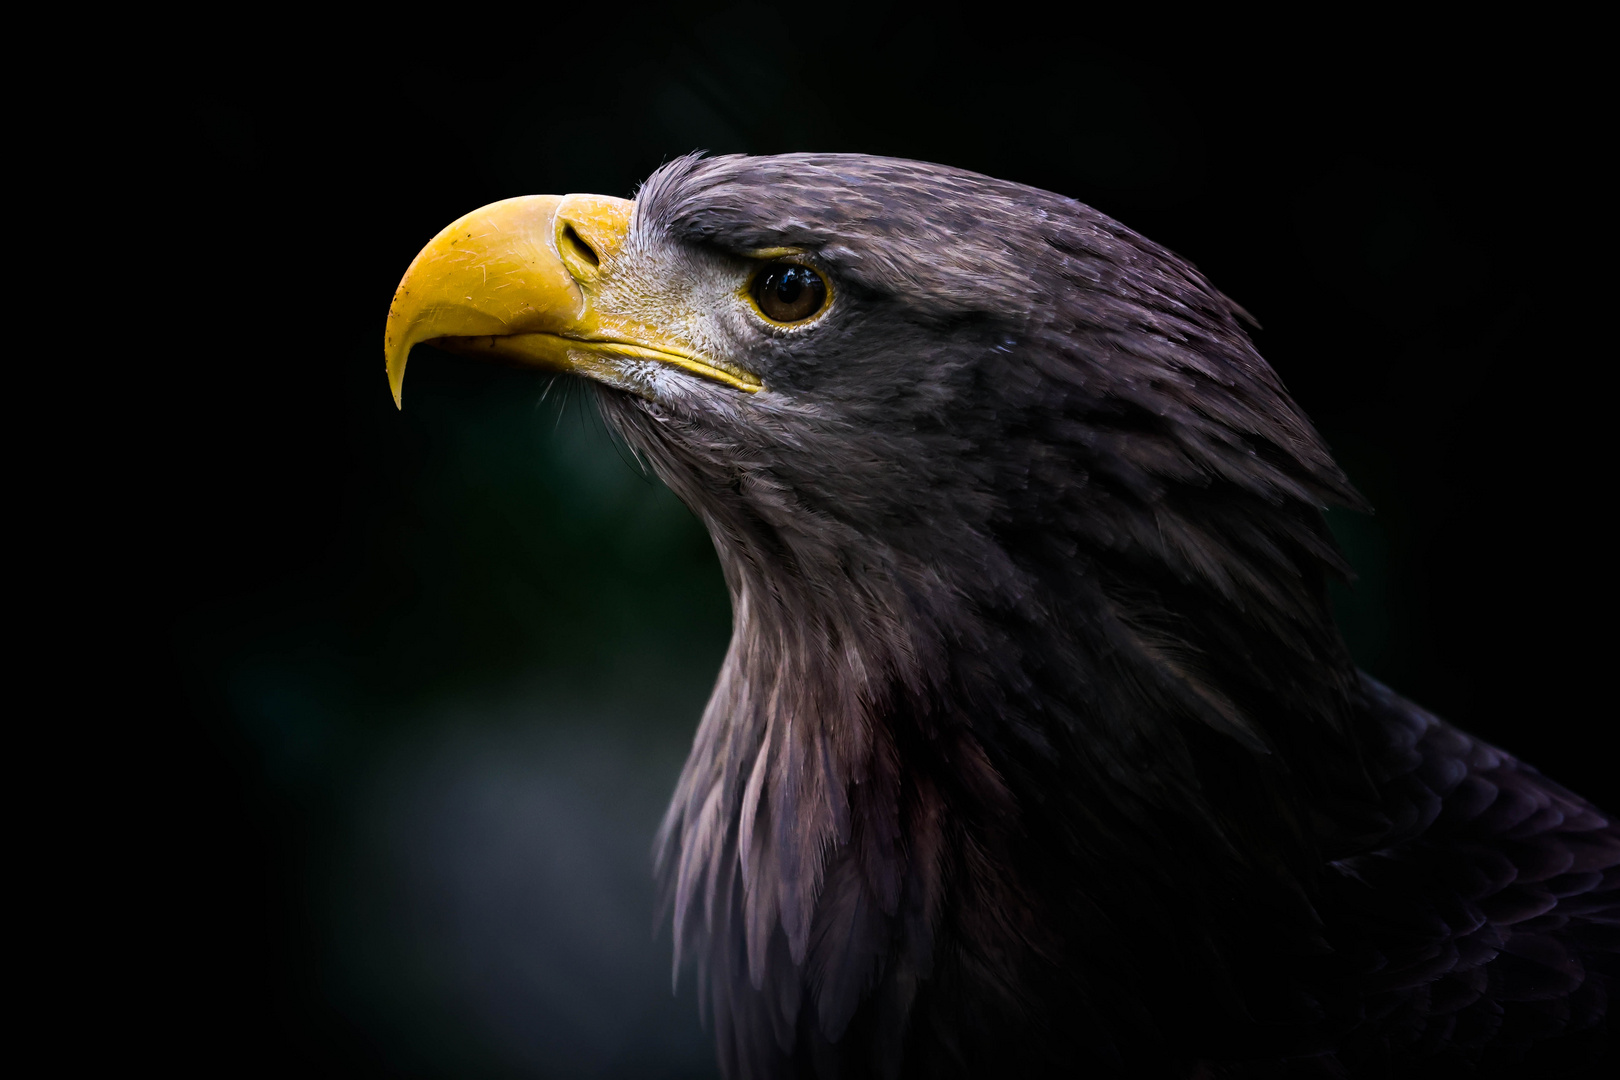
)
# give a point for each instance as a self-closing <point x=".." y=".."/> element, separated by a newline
<point x="434" y="672"/>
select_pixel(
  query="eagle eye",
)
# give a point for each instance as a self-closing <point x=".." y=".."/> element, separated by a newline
<point x="789" y="292"/>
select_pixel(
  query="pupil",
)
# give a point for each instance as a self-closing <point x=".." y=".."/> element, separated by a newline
<point x="791" y="285"/>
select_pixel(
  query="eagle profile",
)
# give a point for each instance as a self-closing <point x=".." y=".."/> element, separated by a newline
<point x="1036" y="750"/>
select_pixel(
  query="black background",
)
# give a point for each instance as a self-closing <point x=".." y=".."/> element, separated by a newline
<point x="414" y="686"/>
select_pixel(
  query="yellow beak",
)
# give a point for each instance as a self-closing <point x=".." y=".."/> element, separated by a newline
<point x="518" y="280"/>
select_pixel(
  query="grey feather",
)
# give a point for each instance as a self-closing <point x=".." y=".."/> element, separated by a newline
<point x="1036" y="750"/>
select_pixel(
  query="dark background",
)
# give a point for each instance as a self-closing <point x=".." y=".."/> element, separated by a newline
<point x="420" y="682"/>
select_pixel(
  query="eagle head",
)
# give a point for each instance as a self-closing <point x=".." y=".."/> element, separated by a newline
<point x="1027" y="562"/>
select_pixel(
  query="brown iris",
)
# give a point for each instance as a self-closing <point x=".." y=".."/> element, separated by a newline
<point x="789" y="292"/>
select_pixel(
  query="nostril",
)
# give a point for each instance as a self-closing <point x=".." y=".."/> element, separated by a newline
<point x="577" y="246"/>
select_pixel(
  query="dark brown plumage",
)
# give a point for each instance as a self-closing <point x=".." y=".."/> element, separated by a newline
<point x="1036" y="751"/>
